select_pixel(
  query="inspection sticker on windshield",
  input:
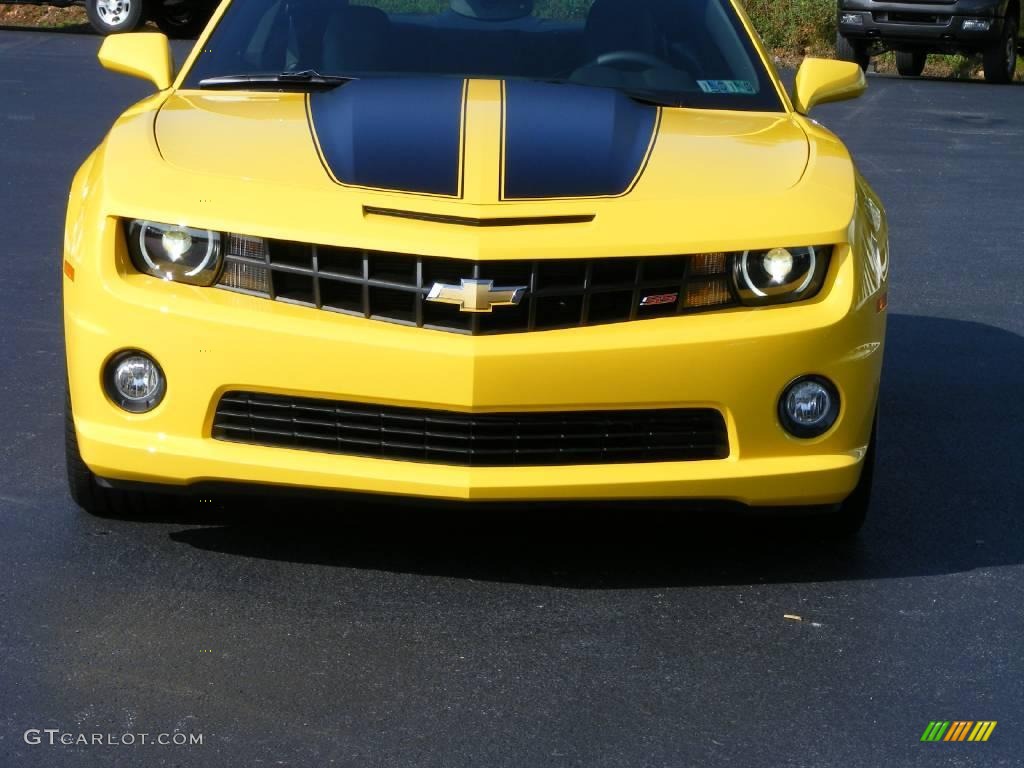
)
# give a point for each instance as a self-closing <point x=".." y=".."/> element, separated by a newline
<point x="727" y="86"/>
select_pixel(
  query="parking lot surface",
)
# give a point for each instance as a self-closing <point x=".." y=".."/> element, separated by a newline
<point x="369" y="635"/>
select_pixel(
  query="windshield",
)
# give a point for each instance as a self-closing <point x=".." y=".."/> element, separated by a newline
<point x="692" y="53"/>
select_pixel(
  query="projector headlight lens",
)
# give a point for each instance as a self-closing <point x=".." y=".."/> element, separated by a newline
<point x="780" y="275"/>
<point x="175" y="252"/>
<point x="778" y="263"/>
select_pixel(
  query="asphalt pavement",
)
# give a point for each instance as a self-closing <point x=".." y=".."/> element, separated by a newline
<point x="628" y="636"/>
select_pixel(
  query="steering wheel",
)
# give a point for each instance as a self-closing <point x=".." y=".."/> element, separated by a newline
<point x="636" y="58"/>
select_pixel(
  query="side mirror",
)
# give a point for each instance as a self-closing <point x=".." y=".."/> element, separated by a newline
<point x="822" y="80"/>
<point x="140" y="54"/>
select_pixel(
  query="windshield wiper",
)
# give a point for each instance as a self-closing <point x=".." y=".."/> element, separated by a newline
<point x="655" y="98"/>
<point x="643" y="95"/>
<point x="307" y="78"/>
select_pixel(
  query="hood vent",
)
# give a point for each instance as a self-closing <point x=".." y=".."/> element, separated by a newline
<point x="465" y="221"/>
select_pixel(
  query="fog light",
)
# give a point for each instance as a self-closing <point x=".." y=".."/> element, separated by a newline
<point x="977" y="25"/>
<point x="852" y="18"/>
<point x="134" y="382"/>
<point x="809" y="407"/>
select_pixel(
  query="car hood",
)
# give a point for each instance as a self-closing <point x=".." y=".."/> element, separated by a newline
<point x="657" y="180"/>
<point x="425" y="136"/>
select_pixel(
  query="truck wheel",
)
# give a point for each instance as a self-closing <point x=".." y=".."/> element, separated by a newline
<point x="855" y="52"/>
<point x="910" y="63"/>
<point x="1001" y="58"/>
<point x="109" y="17"/>
<point x="181" y="18"/>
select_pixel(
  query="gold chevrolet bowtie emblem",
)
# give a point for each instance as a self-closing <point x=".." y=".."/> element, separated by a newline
<point x="476" y="295"/>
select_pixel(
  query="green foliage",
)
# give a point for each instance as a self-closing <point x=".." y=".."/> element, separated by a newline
<point x="798" y="26"/>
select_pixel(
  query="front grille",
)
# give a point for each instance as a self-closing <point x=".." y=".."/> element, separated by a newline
<point x="473" y="440"/>
<point x="561" y="293"/>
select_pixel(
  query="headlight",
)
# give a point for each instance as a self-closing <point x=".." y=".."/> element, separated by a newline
<point x="173" y="252"/>
<point x="780" y="275"/>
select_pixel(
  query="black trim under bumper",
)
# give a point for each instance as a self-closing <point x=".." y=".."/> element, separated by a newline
<point x="210" y="499"/>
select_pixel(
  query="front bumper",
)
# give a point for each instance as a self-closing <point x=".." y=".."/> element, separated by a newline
<point x="936" y="27"/>
<point x="209" y="341"/>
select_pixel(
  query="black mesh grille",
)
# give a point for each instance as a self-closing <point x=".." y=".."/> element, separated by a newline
<point x="494" y="440"/>
<point x="562" y="293"/>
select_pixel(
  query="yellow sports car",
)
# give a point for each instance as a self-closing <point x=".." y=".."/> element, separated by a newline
<point x="478" y="250"/>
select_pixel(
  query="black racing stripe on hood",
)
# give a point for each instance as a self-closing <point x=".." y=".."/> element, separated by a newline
<point x="565" y="141"/>
<point x="403" y="135"/>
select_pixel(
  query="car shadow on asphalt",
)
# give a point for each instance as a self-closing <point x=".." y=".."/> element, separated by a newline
<point x="949" y="494"/>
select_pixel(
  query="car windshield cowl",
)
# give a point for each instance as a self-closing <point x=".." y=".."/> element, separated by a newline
<point x="306" y="79"/>
<point x="655" y="98"/>
<point x="312" y="80"/>
<point x="671" y="53"/>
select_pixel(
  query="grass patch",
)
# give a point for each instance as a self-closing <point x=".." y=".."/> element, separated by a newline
<point x="795" y="27"/>
<point x="41" y="16"/>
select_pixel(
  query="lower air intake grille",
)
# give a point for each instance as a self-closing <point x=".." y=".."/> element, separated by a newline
<point x="472" y="440"/>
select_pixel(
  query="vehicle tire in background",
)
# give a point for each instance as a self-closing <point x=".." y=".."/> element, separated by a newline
<point x="109" y="17"/>
<point x="911" y="63"/>
<point x="1001" y="58"/>
<point x="181" y="18"/>
<point x="847" y="51"/>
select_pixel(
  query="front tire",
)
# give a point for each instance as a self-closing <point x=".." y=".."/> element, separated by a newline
<point x="845" y="520"/>
<point x="1001" y="59"/>
<point x="110" y="17"/>
<point x="81" y="481"/>
<point x="911" y="63"/>
<point x="855" y="52"/>
<point x="92" y="497"/>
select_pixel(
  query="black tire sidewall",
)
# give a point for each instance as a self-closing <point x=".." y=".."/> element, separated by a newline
<point x="81" y="481"/>
<point x="1012" y="34"/>
<point x="997" y="68"/>
<point x="849" y="51"/>
<point x="174" y="26"/>
<point x="849" y="517"/>
<point x="95" y="499"/>
<point x="911" y="63"/>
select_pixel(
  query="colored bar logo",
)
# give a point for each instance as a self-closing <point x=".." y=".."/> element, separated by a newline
<point x="958" y="730"/>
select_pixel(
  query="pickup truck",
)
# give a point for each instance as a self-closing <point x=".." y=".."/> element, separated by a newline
<point x="176" y="18"/>
<point x="915" y="28"/>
